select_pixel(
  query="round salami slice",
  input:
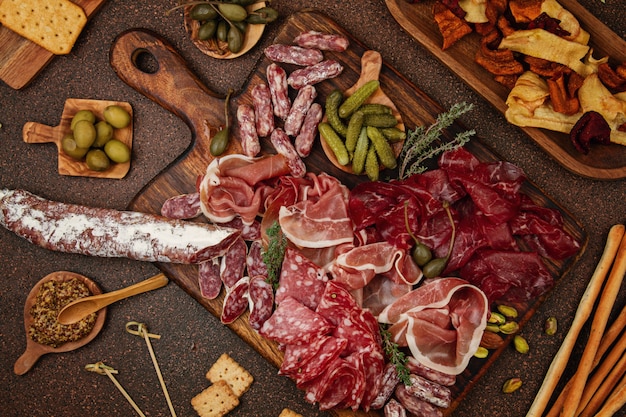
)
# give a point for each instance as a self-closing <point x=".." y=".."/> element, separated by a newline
<point x="233" y="263"/>
<point x="261" y="301"/>
<point x="301" y="279"/>
<point x="183" y="207"/>
<point x="209" y="278"/>
<point x="236" y="301"/>
<point x="293" y="322"/>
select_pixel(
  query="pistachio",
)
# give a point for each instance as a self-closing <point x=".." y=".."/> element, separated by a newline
<point x="496" y="318"/>
<point x="511" y="385"/>
<point x="481" y="352"/>
<point x="494" y="328"/>
<point x="491" y="340"/>
<point x="508" y="311"/>
<point x="551" y="326"/>
<point x="509" y="327"/>
<point x="521" y="345"/>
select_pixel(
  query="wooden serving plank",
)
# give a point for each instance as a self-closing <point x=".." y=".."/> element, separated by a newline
<point x="602" y="162"/>
<point x="21" y="60"/>
<point x="175" y="88"/>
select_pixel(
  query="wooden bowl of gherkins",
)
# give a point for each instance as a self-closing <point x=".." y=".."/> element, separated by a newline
<point x="212" y="34"/>
<point x="351" y="153"/>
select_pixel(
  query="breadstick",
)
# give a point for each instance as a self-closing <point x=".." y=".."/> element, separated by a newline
<point x="598" y="325"/>
<point x="601" y="387"/>
<point x="615" y="401"/>
<point x="610" y="336"/>
<point x="585" y="307"/>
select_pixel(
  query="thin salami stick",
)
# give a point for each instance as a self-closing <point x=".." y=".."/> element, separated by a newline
<point x="598" y="325"/>
<point x="585" y="307"/>
<point x="615" y="401"/>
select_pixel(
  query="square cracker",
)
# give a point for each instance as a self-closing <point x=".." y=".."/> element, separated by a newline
<point x="228" y="369"/>
<point x="215" y="401"/>
<point x="289" y="413"/>
<point x="53" y="25"/>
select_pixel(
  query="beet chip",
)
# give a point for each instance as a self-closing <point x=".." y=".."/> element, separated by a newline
<point x="591" y="127"/>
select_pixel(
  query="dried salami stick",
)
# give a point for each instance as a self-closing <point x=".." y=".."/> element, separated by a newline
<point x="292" y="54"/>
<point x="110" y="233"/>
<point x="263" y="111"/>
<point x="250" y="143"/>
<point x="279" y="89"/>
<point x="322" y="41"/>
<point x="314" y="74"/>
<point x="308" y="132"/>
<point x="299" y="109"/>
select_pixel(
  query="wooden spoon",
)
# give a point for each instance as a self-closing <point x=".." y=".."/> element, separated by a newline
<point x="35" y="350"/>
<point x="218" y="49"/>
<point x="371" y="64"/>
<point x="78" y="309"/>
<point x="33" y="132"/>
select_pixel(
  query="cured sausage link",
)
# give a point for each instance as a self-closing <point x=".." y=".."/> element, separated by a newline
<point x="104" y="232"/>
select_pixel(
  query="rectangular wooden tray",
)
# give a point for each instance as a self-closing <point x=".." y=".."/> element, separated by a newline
<point x="602" y="162"/>
<point x="416" y="109"/>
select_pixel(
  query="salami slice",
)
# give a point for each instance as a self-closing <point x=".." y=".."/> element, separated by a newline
<point x="308" y="132"/>
<point x="329" y="351"/>
<point x="263" y="110"/>
<point x="250" y="144"/>
<point x="293" y="54"/>
<point x="279" y="90"/>
<point x="322" y="41"/>
<point x="233" y="264"/>
<point x="333" y="386"/>
<point x="297" y="356"/>
<point x="209" y="278"/>
<point x="314" y="74"/>
<point x="299" y="108"/>
<point x="301" y="279"/>
<point x="250" y="231"/>
<point x="261" y="301"/>
<point x="111" y="233"/>
<point x="236" y="301"/>
<point x="254" y="260"/>
<point x="292" y="322"/>
<point x="183" y="207"/>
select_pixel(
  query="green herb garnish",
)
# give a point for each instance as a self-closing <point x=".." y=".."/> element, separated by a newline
<point x="395" y="356"/>
<point x="273" y="256"/>
<point x="418" y="147"/>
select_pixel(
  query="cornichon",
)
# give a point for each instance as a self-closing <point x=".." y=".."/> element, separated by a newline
<point x="380" y="120"/>
<point x="375" y="108"/>
<point x="334" y="141"/>
<point x="354" y="129"/>
<point x="332" y="106"/>
<point x="360" y="152"/>
<point x="393" y="134"/>
<point x="371" y="164"/>
<point x="352" y="103"/>
<point x="383" y="149"/>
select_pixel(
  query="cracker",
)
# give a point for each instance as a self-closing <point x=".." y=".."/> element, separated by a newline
<point x="289" y="413"/>
<point x="228" y="369"/>
<point x="215" y="401"/>
<point x="53" y="25"/>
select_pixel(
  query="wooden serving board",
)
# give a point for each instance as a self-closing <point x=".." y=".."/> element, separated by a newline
<point x="175" y="88"/>
<point x="602" y="162"/>
<point x="21" y="60"/>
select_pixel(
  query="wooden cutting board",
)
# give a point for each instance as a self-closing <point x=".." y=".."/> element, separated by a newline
<point x="602" y="162"/>
<point x="175" y="88"/>
<point x="21" y="60"/>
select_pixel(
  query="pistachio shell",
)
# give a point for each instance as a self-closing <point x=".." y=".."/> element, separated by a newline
<point x="508" y="311"/>
<point x="521" y="345"/>
<point x="509" y="327"/>
<point x="551" y="326"/>
<point x="481" y="352"/>
<point x="511" y="385"/>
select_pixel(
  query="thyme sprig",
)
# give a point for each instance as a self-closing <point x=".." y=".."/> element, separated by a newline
<point x="395" y="356"/>
<point x="418" y="146"/>
<point x="273" y="256"/>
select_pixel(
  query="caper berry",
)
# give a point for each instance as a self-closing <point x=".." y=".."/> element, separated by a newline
<point x="203" y="11"/>
<point x="219" y="143"/>
<point x="235" y="40"/>
<point x="207" y="30"/>
<point x="233" y="12"/>
<point x="421" y="254"/>
<point x="434" y="268"/>
<point x="222" y="31"/>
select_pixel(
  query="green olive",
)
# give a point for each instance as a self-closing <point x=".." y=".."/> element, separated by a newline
<point x="82" y="115"/>
<point x="203" y="11"/>
<point x="104" y="133"/>
<point x="84" y="133"/>
<point x="262" y="16"/>
<point x="69" y="147"/>
<point x="117" y="151"/>
<point x="421" y="254"/>
<point x="235" y="40"/>
<point x="219" y="143"/>
<point x="207" y="30"/>
<point x="434" y="268"/>
<point x="97" y="160"/>
<point x="232" y="12"/>
<point x="222" y="30"/>
<point x="116" y="116"/>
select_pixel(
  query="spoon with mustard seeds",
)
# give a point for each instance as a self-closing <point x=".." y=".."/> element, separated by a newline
<point x="77" y="310"/>
<point x="33" y="312"/>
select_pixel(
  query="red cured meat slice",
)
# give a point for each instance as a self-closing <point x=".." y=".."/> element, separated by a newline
<point x="292" y="322"/>
<point x="381" y="292"/>
<point x="432" y="375"/>
<point x="301" y="279"/>
<point x="261" y="296"/>
<point x="184" y="206"/>
<point x="374" y="367"/>
<point x="441" y="322"/>
<point x="233" y="263"/>
<point x="209" y="278"/>
<point x="236" y="301"/>
<point x="336" y="303"/>
<point x="315" y="366"/>
<point x="254" y="260"/>
<point x="355" y="396"/>
<point x="248" y="231"/>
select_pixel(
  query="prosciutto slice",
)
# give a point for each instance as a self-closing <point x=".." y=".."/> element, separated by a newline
<point x="441" y="322"/>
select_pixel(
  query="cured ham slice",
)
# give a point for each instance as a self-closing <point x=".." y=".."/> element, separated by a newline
<point x="441" y="322"/>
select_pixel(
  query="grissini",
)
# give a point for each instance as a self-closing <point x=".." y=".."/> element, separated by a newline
<point x="585" y="307"/>
<point x="615" y="401"/>
<point x="105" y="232"/>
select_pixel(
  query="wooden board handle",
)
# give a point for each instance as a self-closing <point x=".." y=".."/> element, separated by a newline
<point x="38" y="133"/>
<point x="144" y="61"/>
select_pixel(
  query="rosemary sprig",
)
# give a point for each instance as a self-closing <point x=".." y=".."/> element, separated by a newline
<point x="273" y="256"/>
<point x="418" y="144"/>
<point x="395" y="356"/>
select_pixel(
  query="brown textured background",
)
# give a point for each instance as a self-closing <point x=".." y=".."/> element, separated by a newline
<point x="191" y="338"/>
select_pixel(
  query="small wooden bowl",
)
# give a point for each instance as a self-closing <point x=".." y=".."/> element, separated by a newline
<point x="35" y="350"/>
<point x="39" y="133"/>
<point x="371" y="64"/>
<point x="218" y="49"/>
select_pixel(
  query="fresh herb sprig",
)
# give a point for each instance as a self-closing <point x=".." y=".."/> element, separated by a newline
<point x="418" y="146"/>
<point x="273" y="256"/>
<point x="395" y="356"/>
